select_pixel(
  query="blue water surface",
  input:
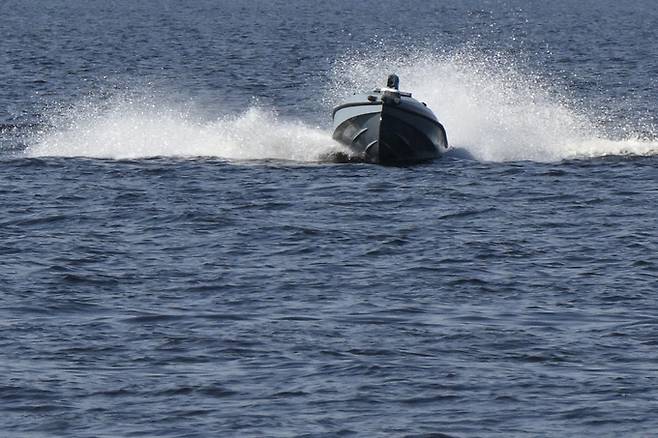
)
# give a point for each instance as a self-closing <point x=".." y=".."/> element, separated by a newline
<point x="179" y="257"/>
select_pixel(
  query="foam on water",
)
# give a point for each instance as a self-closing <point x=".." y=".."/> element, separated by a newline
<point x="126" y="128"/>
<point x="490" y="108"/>
<point x="492" y="111"/>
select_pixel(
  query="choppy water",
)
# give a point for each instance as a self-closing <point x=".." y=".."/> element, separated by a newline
<point x="179" y="259"/>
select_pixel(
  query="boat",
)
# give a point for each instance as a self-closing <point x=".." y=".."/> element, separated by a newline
<point x="389" y="127"/>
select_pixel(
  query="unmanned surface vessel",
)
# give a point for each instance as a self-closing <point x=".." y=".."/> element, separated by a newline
<point x="388" y="126"/>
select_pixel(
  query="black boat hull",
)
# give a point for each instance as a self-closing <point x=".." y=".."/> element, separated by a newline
<point x="389" y="131"/>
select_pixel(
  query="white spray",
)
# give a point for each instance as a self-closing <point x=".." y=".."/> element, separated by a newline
<point x="126" y="129"/>
<point x="489" y="108"/>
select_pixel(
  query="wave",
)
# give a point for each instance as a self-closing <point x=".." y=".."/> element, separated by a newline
<point x="492" y="111"/>
<point x="130" y="129"/>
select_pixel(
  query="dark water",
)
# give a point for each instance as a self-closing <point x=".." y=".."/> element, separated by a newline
<point x="178" y="258"/>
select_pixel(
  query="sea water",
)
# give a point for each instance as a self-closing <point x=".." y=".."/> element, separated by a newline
<point x="180" y="257"/>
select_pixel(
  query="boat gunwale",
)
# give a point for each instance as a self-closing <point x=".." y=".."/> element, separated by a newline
<point x="351" y="104"/>
<point x="385" y="105"/>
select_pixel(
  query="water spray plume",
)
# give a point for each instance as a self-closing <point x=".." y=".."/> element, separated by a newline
<point x="491" y="109"/>
<point x="126" y="129"/>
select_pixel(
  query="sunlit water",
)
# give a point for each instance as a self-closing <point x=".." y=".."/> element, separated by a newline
<point x="181" y="257"/>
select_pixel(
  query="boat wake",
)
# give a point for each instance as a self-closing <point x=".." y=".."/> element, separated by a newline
<point x="129" y="129"/>
<point x="491" y="110"/>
